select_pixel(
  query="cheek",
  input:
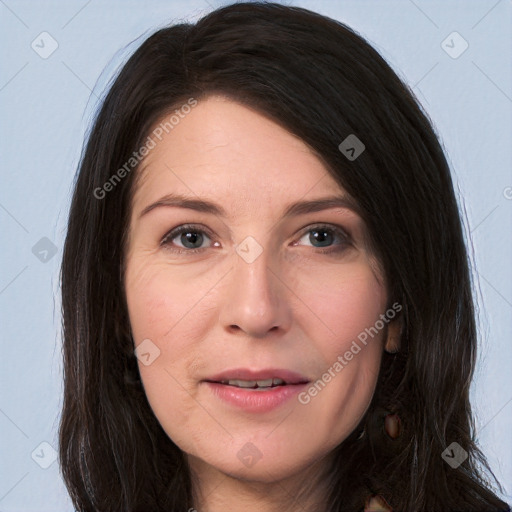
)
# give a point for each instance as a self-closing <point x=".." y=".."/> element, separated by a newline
<point x="162" y="320"/>
<point x="163" y="305"/>
<point x="345" y="302"/>
<point x="349" y="304"/>
<point x="156" y="306"/>
<point x="171" y="308"/>
<point x="357" y="305"/>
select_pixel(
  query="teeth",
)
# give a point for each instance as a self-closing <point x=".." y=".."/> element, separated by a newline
<point x="242" y="383"/>
<point x="267" y="383"/>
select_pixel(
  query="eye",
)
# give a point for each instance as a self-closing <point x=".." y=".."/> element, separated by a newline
<point x="191" y="237"/>
<point x="325" y="235"/>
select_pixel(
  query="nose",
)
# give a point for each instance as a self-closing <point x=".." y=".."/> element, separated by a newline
<point x="257" y="300"/>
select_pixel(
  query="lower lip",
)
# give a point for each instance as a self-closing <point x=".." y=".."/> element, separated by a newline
<point x="255" y="401"/>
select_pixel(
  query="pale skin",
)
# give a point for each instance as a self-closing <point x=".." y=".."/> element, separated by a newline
<point x="293" y="307"/>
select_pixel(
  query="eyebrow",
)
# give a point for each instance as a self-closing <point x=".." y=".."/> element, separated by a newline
<point x="293" y="209"/>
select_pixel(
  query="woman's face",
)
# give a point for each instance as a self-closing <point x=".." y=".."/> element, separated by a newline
<point x="250" y="291"/>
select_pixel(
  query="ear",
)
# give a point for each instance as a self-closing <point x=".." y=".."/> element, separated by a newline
<point x="394" y="330"/>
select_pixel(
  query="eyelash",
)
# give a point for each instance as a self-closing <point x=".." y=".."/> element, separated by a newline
<point x="186" y="228"/>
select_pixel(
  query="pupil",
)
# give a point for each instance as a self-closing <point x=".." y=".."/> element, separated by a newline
<point x="191" y="237"/>
<point x="322" y="236"/>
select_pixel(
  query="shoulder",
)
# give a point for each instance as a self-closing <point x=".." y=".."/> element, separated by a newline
<point x="377" y="504"/>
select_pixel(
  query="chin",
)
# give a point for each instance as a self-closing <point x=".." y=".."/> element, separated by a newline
<point x="266" y="464"/>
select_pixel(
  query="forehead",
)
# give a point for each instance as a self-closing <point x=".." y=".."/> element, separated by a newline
<point x="231" y="153"/>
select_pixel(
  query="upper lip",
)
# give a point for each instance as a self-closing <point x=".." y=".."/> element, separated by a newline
<point x="288" y="376"/>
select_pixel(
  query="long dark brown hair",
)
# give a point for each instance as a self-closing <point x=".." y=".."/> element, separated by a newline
<point x="323" y="82"/>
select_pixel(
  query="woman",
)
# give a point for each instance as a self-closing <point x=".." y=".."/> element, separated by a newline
<point x="215" y="356"/>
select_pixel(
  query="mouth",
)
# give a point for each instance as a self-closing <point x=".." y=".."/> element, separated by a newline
<point x="258" y="380"/>
<point x="256" y="391"/>
<point x="257" y="385"/>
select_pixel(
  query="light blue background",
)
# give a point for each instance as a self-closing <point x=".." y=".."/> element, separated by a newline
<point x="47" y="105"/>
